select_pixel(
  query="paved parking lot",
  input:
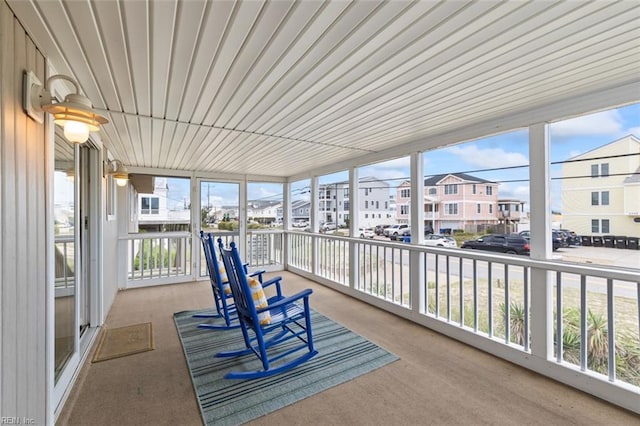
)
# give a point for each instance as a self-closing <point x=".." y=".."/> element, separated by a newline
<point x="624" y="258"/>
<point x="600" y="255"/>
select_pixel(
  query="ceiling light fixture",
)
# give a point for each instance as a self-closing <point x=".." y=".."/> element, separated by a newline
<point x="75" y="113"/>
<point x="119" y="172"/>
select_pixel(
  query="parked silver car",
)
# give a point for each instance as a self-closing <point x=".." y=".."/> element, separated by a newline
<point x="396" y="230"/>
<point x="438" y="240"/>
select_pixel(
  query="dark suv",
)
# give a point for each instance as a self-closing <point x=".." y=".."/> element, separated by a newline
<point x="502" y="243"/>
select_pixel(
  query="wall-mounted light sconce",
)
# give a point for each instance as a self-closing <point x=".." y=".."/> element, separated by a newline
<point x="119" y="172"/>
<point x="75" y="113"/>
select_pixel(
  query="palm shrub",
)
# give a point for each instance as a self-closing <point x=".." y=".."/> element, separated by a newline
<point x="627" y="350"/>
<point x="516" y="321"/>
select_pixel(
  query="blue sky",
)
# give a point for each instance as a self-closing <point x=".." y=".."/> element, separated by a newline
<point x="568" y="138"/>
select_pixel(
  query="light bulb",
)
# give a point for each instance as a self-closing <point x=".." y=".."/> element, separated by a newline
<point x="76" y="131"/>
<point x="121" y="181"/>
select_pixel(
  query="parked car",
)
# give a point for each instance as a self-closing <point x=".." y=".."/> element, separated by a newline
<point x="366" y="232"/>
<point x="379" y="229"/>
<point x="502" y="243"/>
<point x="571" y="237"/>
<point x="328" y="226"/>
<point x="396" y="230"/>
<point x="438" y="240"/>
<point x="558" y="239"/>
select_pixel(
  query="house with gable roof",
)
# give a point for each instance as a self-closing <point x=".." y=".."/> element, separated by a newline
<point x="453" y="201"/>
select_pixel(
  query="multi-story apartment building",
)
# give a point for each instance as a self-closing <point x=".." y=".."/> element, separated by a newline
<point x="601" y="190"/>
<point x="453" y="201"/>
<point x="374" y="207"/>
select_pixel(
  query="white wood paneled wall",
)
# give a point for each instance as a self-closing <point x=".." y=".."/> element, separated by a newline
<point x="23" y="278"/>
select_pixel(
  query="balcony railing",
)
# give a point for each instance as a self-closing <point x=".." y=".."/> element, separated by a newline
<point x="157" y="258"/>
<point x="265" y="249"/>
<point x="64" y="264"/>
<point x="590" y="315"/>
<point x="585" y="319"/>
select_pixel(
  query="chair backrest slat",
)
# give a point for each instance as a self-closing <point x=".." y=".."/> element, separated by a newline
<point x="212" y="264"/>
<point x="240" y="289"/>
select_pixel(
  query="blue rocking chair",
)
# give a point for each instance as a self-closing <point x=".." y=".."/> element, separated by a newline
<point x="222" y="295"/>
<point x="290" y="318"/>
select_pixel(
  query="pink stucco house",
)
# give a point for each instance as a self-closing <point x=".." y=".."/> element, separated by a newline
<point x="453" y="201"/>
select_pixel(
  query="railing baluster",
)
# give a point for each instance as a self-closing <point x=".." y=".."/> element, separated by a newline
<point x="447" y="259"/>
<point x="507" y="308"/>
<point x="490" y="296"/>
<point x="611" y="332"/>
<point x="525" y="271"/>
<point x="559" y="321"/>
<point x="461" y="295"/>
<point x="475" y="295"/>
<point x="437" y="272"/>
<point x="583" y="322"/>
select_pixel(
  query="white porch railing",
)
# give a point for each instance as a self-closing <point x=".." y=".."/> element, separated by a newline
<point x="64" y="265"/>
<point x="265" y="249"/>
<point x="158" y="258"/>
<point x="592" y="318"/>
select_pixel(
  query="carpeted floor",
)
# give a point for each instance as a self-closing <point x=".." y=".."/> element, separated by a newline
<point x="342" y="356"/>
<point x="436" y="381"/>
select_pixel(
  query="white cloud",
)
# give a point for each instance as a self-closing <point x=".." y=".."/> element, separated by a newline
<point x="393" y="169"/>
<point x="601" y="123"/>
<point x="635" y="131"/>
<point x="519" y="192"/>
<point x="489" y="157"/>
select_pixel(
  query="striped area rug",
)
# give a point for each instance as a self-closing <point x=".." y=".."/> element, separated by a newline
<point x="343" y="355"/>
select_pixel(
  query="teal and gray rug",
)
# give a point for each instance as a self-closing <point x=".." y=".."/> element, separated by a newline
<point x="343" y="355"/>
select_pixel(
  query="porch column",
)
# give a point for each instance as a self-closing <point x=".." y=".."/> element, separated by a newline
<point x="541" y="245"/>
<point x="416" y="275"/>
<point x="286" y="222"/>
<point x="354" y="224"/>
<point x="242" y="213"/>
<point x="314" y="217"/>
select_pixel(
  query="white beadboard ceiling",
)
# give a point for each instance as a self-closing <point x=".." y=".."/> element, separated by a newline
<point x="280" y="88"/>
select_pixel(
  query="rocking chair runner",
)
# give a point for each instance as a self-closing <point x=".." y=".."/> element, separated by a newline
<point x="288" y="320"/>
<point x="222" y="295"/>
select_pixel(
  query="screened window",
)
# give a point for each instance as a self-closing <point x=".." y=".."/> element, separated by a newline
<point x="451" y="208"/>
<point x="150" y="205"/>
<point x="451" y="188"/>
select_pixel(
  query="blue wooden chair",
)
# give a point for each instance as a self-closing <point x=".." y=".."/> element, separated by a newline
<point x="266" y="323"/>
<point x="222" y="295"/>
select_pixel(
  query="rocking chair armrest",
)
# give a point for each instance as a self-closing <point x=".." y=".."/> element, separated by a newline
<point x="257" y="273"/>
<point x="276" y="281"/>
<point x="288" y="300"/>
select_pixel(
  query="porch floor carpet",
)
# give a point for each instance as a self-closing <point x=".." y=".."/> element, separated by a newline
<point x="342" y="356"/>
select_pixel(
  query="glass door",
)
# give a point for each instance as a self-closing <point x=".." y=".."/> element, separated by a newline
<point x="219" y="212"/>
<point x="72" y="235"/>
<point x="65" y="253"/>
